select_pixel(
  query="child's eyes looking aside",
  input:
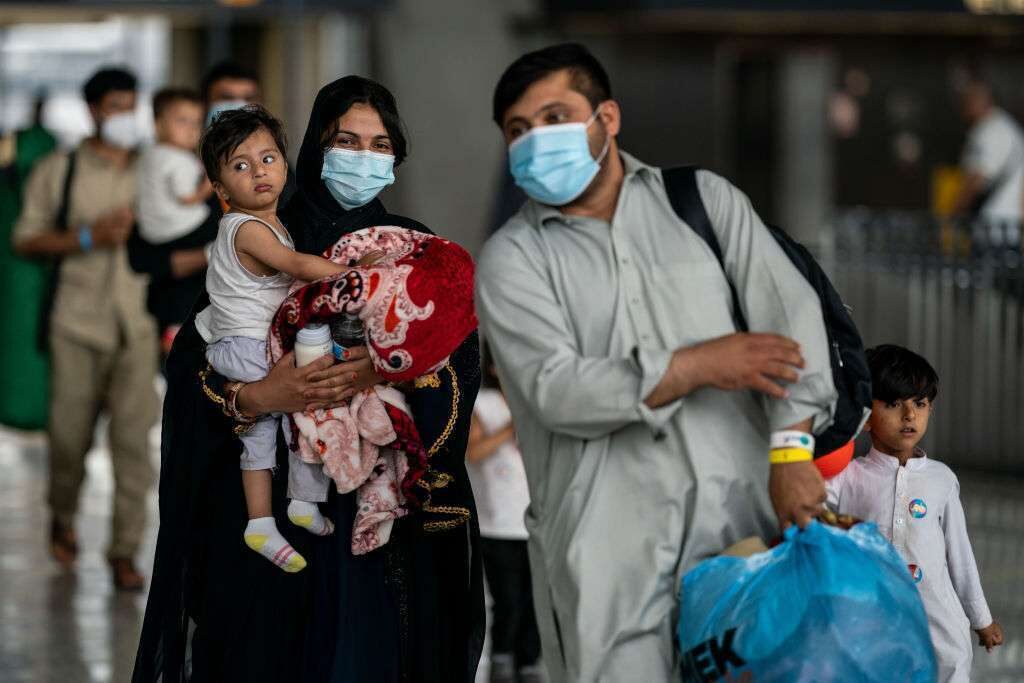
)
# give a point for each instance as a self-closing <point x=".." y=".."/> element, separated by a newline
<point x="244" y="165"/>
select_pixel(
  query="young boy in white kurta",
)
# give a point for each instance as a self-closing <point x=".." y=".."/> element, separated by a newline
<point x="916" y="503"/>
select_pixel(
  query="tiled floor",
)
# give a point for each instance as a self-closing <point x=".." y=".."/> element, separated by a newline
<point x="55" y="626"/>
<point x="71" y="628"/>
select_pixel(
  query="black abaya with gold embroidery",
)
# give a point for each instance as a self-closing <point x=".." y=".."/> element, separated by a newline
<point x="410" y="611"/>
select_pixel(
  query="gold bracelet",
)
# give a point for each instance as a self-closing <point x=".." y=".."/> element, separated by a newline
<point x="231" y="404"/>
<point x="782" y="456"/>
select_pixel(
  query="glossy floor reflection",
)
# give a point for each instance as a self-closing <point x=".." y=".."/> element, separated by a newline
<point x="73" y="627"/>
<point x="60" y="626"/>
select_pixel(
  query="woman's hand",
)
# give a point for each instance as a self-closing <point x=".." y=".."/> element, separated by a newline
<point x="284" y="388"/>
<point x="332" y="386"/>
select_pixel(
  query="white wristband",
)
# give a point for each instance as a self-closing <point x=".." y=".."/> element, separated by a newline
<point x="792" y="439"/>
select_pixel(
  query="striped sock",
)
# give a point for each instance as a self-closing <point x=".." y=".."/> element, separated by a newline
<point x="307" y="515"/>
<point x="262" y="535"/>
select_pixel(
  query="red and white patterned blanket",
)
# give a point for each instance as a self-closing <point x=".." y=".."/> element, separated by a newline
<point x="416" y="304"/>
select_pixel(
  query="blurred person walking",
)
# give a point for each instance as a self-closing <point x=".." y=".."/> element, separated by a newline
<point x="22" y="363"/>
<point x="992" y="194"/>
<point x="614" y="329"/>
<point x="229" y="85"/>
<point x="102" y="344"/>
<point x="502" y="495"/>
<point x="174" y="202"/>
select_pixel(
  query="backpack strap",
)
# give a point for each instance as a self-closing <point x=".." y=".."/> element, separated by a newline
<point x="684" y="196"/>
<point x="65" y="196"/>
<point x="53" y="281"/>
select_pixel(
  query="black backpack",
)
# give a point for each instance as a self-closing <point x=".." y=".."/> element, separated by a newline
<point x="850" y="371"/>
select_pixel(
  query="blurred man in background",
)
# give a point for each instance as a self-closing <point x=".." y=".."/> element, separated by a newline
<point x="993" y="165"/>
<point x="229" y="85"/>
<point x="77" y="212"/>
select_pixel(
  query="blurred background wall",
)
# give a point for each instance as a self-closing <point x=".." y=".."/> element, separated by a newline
<point x="804" y="109"/>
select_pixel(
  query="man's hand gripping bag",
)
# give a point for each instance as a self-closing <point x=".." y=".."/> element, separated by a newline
<point x="824" y="605"/>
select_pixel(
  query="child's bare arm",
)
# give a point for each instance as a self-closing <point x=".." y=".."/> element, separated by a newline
<point x="256" y="240"/>
<point x="483" y="445"/>
<point x="201" y="194"/>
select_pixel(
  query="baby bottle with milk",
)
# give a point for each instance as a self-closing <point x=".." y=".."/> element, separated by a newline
<point x="312" y="342"/>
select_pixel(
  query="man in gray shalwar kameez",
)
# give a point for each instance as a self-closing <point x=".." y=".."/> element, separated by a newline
<point x="642" y="415"/>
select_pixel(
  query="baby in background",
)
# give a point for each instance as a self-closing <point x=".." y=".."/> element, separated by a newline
<point x="253" y="264"/>
<point x="173" y="188"/>
<point x="915" y="501"/>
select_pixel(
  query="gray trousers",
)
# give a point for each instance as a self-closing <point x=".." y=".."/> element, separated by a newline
<point x="85" y="382"/>
<point x="244" y="359"/>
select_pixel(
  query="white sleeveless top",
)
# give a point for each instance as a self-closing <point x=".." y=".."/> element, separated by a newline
<point x="242" y="304"/>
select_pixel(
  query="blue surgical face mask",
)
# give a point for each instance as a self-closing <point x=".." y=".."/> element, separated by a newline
<point x="354" y="178"/>
<point x="218" y="108"/>
<point x="552" y="164"/>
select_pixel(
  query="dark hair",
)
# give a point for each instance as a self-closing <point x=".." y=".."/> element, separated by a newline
<point x="586" y="75"/>
<point x="231" y="129"/>
<point x="358" y="90"/>
<point x="166" y="97"/>
<point x="898" y="374"/>
<point x="980" y="81"/>
<point x="107" y="81"/>
<point x="222" y="70"/>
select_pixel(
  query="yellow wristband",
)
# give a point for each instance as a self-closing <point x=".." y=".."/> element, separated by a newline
<point x="781" y="456"/>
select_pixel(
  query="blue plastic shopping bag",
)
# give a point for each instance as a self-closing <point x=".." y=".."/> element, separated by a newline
<point x="824" y="605"/>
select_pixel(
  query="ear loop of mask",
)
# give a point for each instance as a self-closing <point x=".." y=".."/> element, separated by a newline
<point x="607" y="137"/>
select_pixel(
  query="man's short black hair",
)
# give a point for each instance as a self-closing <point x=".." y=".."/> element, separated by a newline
<point x="231" y="129"/>
<point x="167" y="96"/>
<point x="226" y="69"/>
<point x="898" y="374"/>
<point x="107" y="81"/>
<point x="587" y="76"/>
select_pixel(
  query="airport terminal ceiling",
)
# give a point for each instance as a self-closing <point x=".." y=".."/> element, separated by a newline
<point x="958" y="6"/>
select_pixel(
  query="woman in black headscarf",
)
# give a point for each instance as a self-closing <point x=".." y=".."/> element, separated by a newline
<point x="409" y="611"/>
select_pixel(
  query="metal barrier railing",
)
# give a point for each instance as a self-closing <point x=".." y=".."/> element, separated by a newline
<point x="955" y="295"/>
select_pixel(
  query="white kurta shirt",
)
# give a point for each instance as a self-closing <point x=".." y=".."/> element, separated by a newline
<point x="583" y="316"/>
<point x="917" y="507"/>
